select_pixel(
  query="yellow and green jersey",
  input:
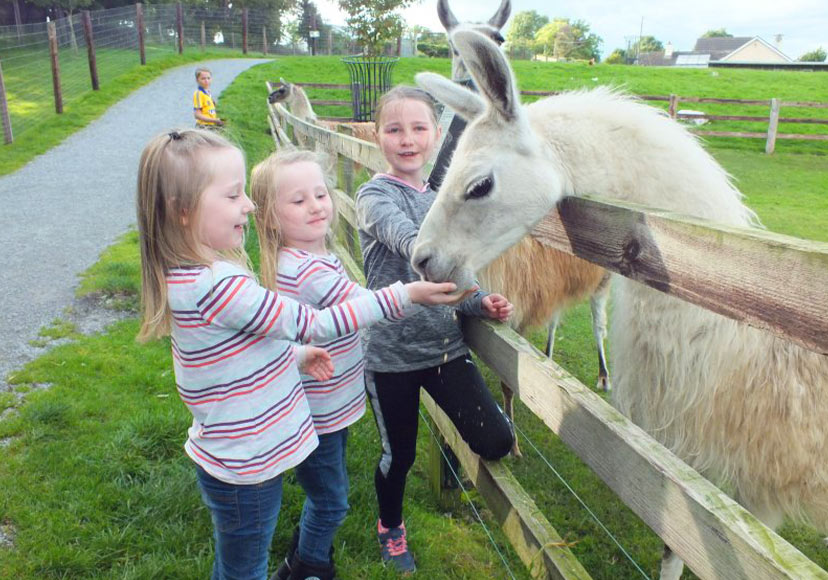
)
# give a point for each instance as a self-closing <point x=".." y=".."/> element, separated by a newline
<point x="204" y="104"/>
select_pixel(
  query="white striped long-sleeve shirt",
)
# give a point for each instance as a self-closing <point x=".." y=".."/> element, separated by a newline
<point x="237" y="374"/>
<point x="320" y="281"/>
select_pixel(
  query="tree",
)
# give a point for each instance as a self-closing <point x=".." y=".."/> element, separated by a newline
<point x="65" y="6"/>
<point x="817" y="55"/>
<point x="717" y="33"/>
<point x="564" y="39"/>
<point x="309" y="20"/>
<point x="374" y="22"/>
<point x="525" y="25"/>
<point x="618" y="56"/>
<point x="650" y="44"/>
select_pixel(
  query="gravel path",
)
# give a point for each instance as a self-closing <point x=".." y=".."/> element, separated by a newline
<point x="63" y="208"/>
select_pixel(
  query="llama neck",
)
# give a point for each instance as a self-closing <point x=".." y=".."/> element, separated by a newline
<point x="459" y="72"/>
<point x="300" y="105"/>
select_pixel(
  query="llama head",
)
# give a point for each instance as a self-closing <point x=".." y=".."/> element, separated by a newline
<point x="490" y="29"/>
<point x="281" y="92"/>
<point x="502" y="180"/>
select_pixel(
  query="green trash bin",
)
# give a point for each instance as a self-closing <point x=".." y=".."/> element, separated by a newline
<point x="370" y="78"/>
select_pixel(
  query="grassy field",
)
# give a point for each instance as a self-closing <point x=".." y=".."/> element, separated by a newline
<point x="538" y="76"/>
<point x="96" y="485"/>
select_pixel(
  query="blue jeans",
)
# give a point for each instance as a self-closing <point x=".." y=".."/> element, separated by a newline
<point x="244" y="519"/>
<point x="324" y="477"/>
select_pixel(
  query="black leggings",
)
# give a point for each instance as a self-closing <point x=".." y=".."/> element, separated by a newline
<point x="458" y="388"/>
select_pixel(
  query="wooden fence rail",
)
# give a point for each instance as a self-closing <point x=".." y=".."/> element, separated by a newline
<point x="714" y="535"/>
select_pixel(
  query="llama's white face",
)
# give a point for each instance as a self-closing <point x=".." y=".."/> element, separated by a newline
<point x="501" y="181"/>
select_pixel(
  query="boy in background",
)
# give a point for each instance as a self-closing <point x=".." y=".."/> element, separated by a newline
<point x="204" y="105"/>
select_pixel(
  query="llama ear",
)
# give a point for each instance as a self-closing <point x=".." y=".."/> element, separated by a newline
<point x="447" y="18"/>
<point x="282" y="80"/>
<point x="490" y="71"/>
<point x="502" y="14"/>
<point x="461" y="100"/>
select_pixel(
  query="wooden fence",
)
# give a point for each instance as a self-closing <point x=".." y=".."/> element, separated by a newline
<point x="773" y="118"/>
<point x="714" y="535"/>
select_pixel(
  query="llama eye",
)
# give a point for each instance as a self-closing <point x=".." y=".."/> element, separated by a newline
<point x="480" y="188"/>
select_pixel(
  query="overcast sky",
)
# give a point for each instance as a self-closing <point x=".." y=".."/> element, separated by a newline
<point x="803" y="24"/>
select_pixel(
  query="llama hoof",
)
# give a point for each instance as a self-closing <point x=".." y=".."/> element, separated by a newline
<point x="516" y="451"/>
<point x="604" y="384"/>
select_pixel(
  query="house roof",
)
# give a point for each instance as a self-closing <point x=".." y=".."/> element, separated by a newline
<point x="719" y="47"/>
<point x="767" y="45"/>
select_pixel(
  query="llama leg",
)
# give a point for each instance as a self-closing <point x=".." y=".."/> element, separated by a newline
<point x="509" y="409"/>
<point x="671" y="565"/>
<point x="550" y="335"/>
<point x="598" y="304"/>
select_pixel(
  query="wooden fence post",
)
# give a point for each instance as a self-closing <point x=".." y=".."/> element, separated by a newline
<point x="244" y="31"/>
<point x="264" y="40"/>
<point x="179" y="25"/>
<point x="330" y="41"/>
<point x="203" y="36"/>
<point x="441" y="480"/>
<point x="673" y="105"/>
<point x="17" y="20"/>
<point x="53" y="52"/>
<point x="773" y="125"/>
<point x="4" y="111"/>
<point x="90" y="49"/>
<point x="139" y="21"/>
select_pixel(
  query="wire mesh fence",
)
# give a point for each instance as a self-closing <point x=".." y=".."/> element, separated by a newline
<point x="26" y="64"/>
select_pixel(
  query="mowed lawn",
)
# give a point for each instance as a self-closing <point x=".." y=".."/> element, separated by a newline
<point x="96" y="484"/>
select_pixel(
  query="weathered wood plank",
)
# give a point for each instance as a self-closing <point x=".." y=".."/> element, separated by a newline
<point x="346" y="207"/>
<point x="528" y="530"/>
<point x="363" y="152"/>
<point x="714" y="535"/>
<point x="770" y="281"/>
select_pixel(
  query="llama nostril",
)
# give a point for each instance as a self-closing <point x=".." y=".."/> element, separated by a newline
<point x="421" y="265"/>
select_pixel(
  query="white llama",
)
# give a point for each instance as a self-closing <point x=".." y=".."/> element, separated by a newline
<point x="745" y="408"/>
<point x="558" y="280"/>
<point x="298" y="104"/>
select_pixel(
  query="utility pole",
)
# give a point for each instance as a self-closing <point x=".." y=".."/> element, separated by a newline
<point x="640" y="34"/>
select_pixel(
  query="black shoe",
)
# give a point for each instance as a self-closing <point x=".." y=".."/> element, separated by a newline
<point x="300" y="570"/>
<point x="283" y="572"/>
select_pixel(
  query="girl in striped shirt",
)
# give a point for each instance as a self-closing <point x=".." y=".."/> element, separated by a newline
<point x="294" y="213"/>
<point x="234" y="368"/>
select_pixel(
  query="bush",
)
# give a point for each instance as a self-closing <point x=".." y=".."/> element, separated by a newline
<point x="433" y="49"/>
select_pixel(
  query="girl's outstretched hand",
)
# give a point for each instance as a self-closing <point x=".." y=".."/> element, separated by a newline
<point x="498" y="307"/>
<point x="317" y="363"/>
<point x="432" y="293"/>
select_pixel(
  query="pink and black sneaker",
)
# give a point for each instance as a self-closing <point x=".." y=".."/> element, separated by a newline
<point x="395" y="548"/>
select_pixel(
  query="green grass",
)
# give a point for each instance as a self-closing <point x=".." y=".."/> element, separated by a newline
<point x="96" y="484"/>
<point x="37" y="128"/>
